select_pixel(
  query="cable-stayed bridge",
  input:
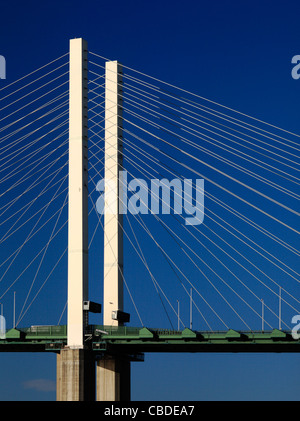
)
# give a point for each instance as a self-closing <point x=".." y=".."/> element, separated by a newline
<point x="205" y="247"/>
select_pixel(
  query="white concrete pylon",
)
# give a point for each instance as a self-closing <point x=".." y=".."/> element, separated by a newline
<point x="113" y="219"/>
<point x="78" y="192"/>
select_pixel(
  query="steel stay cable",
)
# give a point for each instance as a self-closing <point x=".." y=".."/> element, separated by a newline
<point x="53" y="268"/>
<point x="218" y="184"/>
<point x="57" y="98"/>
<point x="126" y="142"/>
<point x="193" y="286"/>
<point x="213" y="102"/>
<point x="144" y="262"/>
<point x="42" y="258"/>
<point x="232" y="148"/>
<point x="13" y="143"/>
<point x="193" y="144"/>
<point x="29" y="204"/>
<point x="123" y="231"/>
<point x="217" y="259"/>
<point x="11" y="134"/>
<point x="34" y="71"/>
<point x="26" y="176"/>
<point x="121" y="272"/>
<point x="226" y="253"/>
<point x="37" y="253"/>
<point x="33" y="184"/>
<point x="35" y="256"/>
<point x="228" y="269"/>
<point x="215" y="140"/>
<point x="31" y="231"/>
<point x="27" y="146"/>
<point x="182" y="111"/>
<point x="45" y="207"/>
<point x="41" y="287"/>
<point x="134" y="247"/>
<point x="241" y="126"/>
<point x="226" y="119"/>
<point x="30" y="155"/>
<point x="29" y="103"/>
<point x="31" y="236"/>
<point x="191" y="283"/>
<point x="226" y="175"/>
<point x="32" y="143"/>
<point x="154" y="281"/>
<point x="238" y="137"/>
<point x="162" y="290"/>
<point x="14" y="173"/>
<point x="31" y="92"/>
<point x="32" y="261"/>
<point x="226" y="206"/>
<point x="62" y="313"/>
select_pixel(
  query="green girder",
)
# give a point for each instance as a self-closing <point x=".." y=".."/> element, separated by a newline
<point x="106" y="340"/>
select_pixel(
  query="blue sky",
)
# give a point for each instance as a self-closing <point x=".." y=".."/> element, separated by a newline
<point x="234" y="53"/>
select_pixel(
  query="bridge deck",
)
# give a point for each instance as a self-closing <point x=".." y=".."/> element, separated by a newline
<point x="134" y="340"/>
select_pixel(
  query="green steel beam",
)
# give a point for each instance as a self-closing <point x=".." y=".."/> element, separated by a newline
<point x="134" y="340"/>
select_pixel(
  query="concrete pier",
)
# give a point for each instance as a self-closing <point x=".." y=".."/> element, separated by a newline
<point x="75" y="375"/>
<point x="113" y="380"/>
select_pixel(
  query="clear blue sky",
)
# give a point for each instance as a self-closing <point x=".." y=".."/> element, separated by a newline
<point x="232" y="52"/>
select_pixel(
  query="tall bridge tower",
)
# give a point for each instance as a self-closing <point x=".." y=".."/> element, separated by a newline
<point x="75" y="363"/>
<point x="113" y="375"/>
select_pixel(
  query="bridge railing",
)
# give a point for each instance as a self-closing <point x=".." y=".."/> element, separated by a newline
<point x="42" y="331"/>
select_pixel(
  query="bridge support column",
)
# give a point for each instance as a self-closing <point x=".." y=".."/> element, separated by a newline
<point x="78" y="193"/>
<point x="113" y="375"/>
<point x="113" y="380"/>
<point x="113" y="215"/>
<point x="75" y="364"/>
<point x="75" y="375"/>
